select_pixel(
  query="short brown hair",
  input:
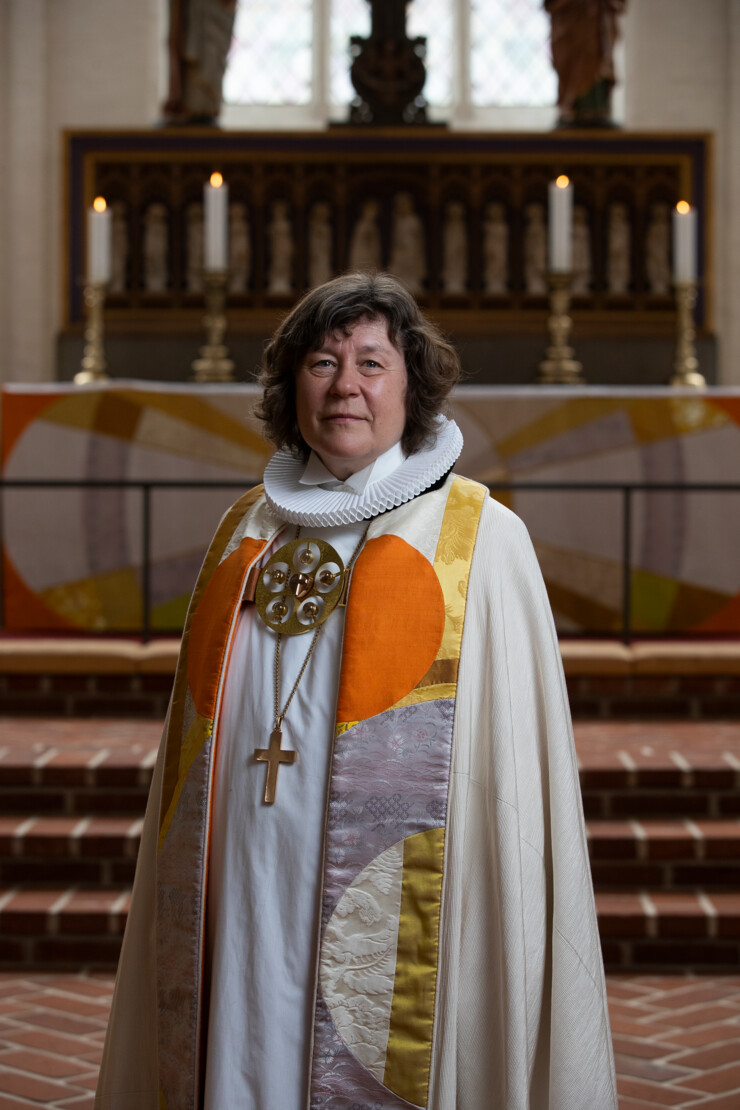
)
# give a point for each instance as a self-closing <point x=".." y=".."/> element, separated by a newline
<point x="432" y="364"/>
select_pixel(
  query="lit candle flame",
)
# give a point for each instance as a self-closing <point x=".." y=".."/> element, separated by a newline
<point x="99" y="204"/>
<point x="683" y="207"/>
<point x="217" y="180"/>
<point x="562" y="181"/>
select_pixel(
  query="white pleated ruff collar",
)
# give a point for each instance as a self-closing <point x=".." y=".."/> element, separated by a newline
<point x="325" y="508"/>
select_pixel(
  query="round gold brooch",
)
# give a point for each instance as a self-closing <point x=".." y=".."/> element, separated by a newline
<point x="300" y="586"/>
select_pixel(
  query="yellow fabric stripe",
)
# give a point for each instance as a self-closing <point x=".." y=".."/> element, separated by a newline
<point x="453" y="556"/>
<point x="194" y="739"/>
<point x="452" y="566"/>
<point x="408" y="1057"/>
<point x="344" y="726"/>
<point x="428" y="693"/>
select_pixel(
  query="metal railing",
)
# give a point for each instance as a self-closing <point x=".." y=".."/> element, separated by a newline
<point x="146" y="486"/>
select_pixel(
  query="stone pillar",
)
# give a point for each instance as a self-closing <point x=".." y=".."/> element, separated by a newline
<point x="26" y="280"/>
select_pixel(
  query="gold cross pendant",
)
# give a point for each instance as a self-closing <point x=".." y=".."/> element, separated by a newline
<point x="273" y="757"/>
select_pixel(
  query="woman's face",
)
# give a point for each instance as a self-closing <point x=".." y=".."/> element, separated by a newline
<point x="351" y="397"/>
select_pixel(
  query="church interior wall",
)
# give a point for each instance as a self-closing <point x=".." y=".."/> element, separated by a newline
<point x="87" y="64"/>
<point x="5" y="170"/>
<point x="681" y="62"/>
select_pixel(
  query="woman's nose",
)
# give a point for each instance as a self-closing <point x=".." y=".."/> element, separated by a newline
<point x="345" y="380"/>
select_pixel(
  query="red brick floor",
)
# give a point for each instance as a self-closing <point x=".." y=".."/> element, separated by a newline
<point x="676" y="1040"/>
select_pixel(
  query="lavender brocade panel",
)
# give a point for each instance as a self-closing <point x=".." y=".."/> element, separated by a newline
<point x="390" y="780"/>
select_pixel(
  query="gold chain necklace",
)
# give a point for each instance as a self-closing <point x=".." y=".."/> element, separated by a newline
<point x="276" y="754"/>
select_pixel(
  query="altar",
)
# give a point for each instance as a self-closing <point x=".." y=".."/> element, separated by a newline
<point x="128" y="481"/>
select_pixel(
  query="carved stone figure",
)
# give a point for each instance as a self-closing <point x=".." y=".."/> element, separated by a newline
<point x="194" y="248"/>
<point x="582" y="37"/>
<point x="240" y="251"/>
<point x="364" y="247"/>
<point x="581" y="252"/>
<point x="198" y="44"/>
<point x="156" y="249"/>
<point x="535" y="250"/>
<point x="319" y="245"/>
<point x="495" y="250"/>
<point x="280" y="234"/>
<point x="119" y="248"/>
<point x="658" y="251"/>
<point x="619" y="250"/>
<point x="408" y="257"/>
<point x="455" y="252"/>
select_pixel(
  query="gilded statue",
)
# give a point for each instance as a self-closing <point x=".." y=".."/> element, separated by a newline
<point x="583" y="34"/>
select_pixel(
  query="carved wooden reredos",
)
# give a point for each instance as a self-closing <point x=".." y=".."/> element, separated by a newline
<point x="472" y="198"/>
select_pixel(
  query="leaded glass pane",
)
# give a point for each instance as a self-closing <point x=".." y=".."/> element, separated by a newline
<point x="510" y="63"/>
<point x="270" y="57"/>
<point x="434" y="19"/>
<point x="348" y="17"/>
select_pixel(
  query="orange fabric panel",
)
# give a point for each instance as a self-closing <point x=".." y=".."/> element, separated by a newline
<point x="211" y="623"/>
<point x="20" y="410"/>
<point x="730" y="405"/>
<point x="395" y="620"/>
<point x="726" y="619"/>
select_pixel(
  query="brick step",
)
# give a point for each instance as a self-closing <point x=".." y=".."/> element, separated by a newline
<point x="665" y="855"/>
<point x="674" y="770"/>
<point x="661" y="931"/>
<point x="62" y="926"/>
<point x="624" y="854"/>
<point x="628" y="770"/>
<point x="98" y="851"/>
<point x="76" y="781"/>
<point x="640" y="931"/>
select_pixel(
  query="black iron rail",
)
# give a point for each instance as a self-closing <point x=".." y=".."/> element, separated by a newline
<point x="145" y="486"/>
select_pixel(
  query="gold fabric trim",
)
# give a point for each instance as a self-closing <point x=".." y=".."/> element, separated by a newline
<point x="452" y="566"/>
<point x="344" y="726"/>
<point x="408" y="1057"/>
<point x="452" y="560"/>
<point x="194" y="739"/>
<point x="428" y="693"/>
<point x="441" y="671"/>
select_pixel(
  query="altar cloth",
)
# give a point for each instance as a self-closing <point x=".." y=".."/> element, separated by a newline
<point x="73" y="557"/>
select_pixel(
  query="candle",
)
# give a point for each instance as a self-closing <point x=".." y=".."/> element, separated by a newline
<point x="684" y="242"/>
<point x="560" y="225"/>
<point x="98" y="241"/>
<point x="216" y="208"/>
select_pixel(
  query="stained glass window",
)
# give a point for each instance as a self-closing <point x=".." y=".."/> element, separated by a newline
<point x="434" y="20"/>
<point x="510" y="64"/>
<point x="348" y="17"/>
<point x="276" y="60"/>
<point x="270" y="61"/>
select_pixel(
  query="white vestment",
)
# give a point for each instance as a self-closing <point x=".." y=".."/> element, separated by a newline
<point x="519" y="1018"/>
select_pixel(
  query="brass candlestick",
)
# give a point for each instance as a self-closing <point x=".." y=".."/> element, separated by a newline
<point x="559" y="367"/>
<point x="686" y="364"/>
<point x="93" y="365"/>
<point x="214" y="364"/>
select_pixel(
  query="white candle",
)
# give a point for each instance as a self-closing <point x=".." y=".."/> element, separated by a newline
<point x="98" y="241"/>
<point x="216" y="218"/>
<point x="560" y="225"/>
<point x="684" y="242"/>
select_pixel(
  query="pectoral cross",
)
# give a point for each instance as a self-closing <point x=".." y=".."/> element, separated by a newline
<point x="273" y="757"/>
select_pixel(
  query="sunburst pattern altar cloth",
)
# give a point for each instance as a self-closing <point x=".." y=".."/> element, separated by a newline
<point x="72" y="558"/>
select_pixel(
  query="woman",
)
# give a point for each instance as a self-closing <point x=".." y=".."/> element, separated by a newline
<point x="363" y="880"/>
